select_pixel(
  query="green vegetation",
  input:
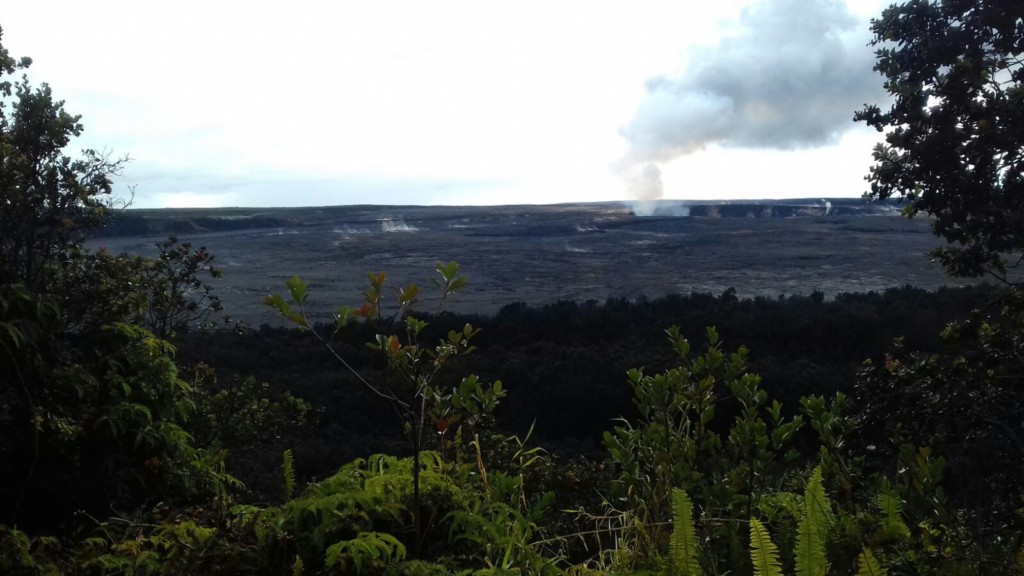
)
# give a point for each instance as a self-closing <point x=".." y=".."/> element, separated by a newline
<point x="955" y="129"/>
<point x="126" y="452"/>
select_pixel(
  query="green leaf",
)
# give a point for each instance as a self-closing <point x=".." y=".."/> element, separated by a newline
<point x="814" y="496"/>
<point x="414" y="325"/>
<point x="447" y="270"/>
<point x="288" y="470"/>
<point x="893" y="527"/>
<point x="683" y="545"/>
<point x="278" y="303"/>
<point x="297" y="289"/>
<point x="377" y="280"/>
<point x="811" y="531"/>
<point x="763" y="553"/>
<point x="299" y="320"/>
<point x="407" y="295"/>
<point x="366" y="547"/>
<point x="712" y="336"/>
<point x="449" y="281"/>
<point x="867" y="565"/>
<point x="13" y="334"/>
<point x="707" y="414"/>
<point x="343" y="317"/>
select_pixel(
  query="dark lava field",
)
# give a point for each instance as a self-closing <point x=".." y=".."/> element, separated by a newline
<point x="541" y="254"/>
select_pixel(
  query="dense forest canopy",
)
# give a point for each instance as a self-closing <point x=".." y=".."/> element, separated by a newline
<point x="870" y="434"/>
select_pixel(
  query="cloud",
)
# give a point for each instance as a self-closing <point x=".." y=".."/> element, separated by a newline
<point x="156" y="188"/>
<point x="788" y="76"/>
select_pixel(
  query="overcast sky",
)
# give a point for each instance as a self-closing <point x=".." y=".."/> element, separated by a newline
<point x="387" y="102"/>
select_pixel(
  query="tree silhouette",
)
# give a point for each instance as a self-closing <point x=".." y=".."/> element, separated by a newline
<point x="954" y="133"/>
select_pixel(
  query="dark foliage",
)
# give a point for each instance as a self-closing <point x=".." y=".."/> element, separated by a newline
<point x="565" y="364"/>
<point x="955" y="129"/>
<point x="966" y="401"/>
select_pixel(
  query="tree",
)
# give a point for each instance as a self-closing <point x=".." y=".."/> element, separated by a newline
<point x="178" y="299"/>
<point x="677" y="442"/>
<point x="954" y="133"/>
<point x="49" y="198"/>
<point x="966" y="402"/>
<point x="412" y="381"/>
<point x="93" y="408"/>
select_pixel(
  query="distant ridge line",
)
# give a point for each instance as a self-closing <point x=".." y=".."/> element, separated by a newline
<point x="184" y="221"/>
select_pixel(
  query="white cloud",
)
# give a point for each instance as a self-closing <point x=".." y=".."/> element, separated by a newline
<point x="440" y="102"/>
<point x="788" y="77"/>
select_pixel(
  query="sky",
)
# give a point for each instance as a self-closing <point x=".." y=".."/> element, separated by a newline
<point x="462" y="102"/>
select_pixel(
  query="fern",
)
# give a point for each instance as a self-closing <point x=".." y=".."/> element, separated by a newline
<point x="288" y="467"/>
<point x="818" y="498"/>
<point x="763" y="553"/>
<point x="867" y="565"/>
<point x="297" y="566"/>
<point x="367" y="547"/>
<point x="811" y="532"/>
<point x="893" y="527"/>
<point x="683" y="545"/>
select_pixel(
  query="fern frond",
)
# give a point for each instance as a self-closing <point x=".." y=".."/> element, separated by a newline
<point x="867" y="565"/>
<point x="288" y="467"/>
<point x="683" y="545"/>
<point x="893" y="527"/>
<point x="763" y="553"/>
<point x="365" y="549"/>
<point x="811" y="532"/>
<point x="297" y="566"/>
<point x="815" y="496"/>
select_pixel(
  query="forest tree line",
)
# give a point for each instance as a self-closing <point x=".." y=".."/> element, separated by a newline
<point x="565" y="364"/>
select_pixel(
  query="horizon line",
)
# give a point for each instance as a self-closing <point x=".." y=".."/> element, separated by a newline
<point x="669" y="201"/>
